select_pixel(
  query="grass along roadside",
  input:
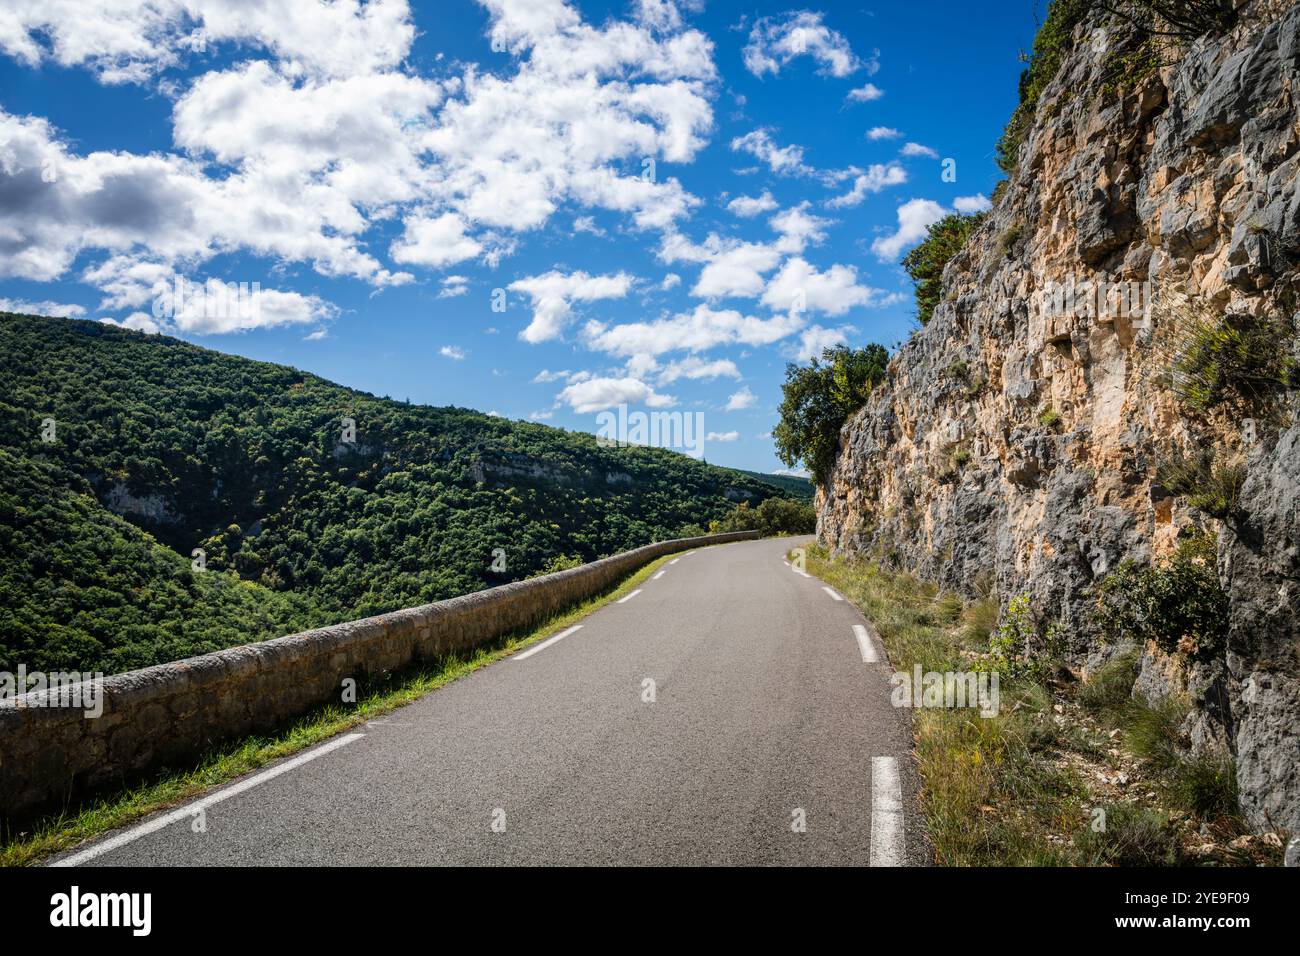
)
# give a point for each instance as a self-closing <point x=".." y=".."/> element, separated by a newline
<point x="45" y="836"/>
<point x="1067" y="773"/>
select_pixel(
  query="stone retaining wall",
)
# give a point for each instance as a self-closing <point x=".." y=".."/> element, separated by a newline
<point x="165" y="713"/>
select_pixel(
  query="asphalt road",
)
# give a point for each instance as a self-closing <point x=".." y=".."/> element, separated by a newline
<point x="765" y="713"/>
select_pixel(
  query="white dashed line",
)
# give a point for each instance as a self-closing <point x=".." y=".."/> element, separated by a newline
<point x="546" y="643"/>
<point x="659" y="575"/>
<point x="832" y="594"/>
<point x="624" y="600"/>
<point x="886" y="813"/>
<point x="674" y="560"/>
<point x="865" y="643"/>
<point x="188" y="811"/>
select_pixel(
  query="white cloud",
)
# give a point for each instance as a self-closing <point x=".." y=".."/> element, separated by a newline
<point x="541" y="416"/>
<point x="453" y="286"/>
<point x="722" y="436"/>
<point x="799" y="286"/>
<point x="749" y="206"/>
<point x="798" y="228"/>
<point x="783" y="160"/>
<point x="452" y="352"/>
<point x="775" y="41"/>
<point x="131" y="40"/>
<point x="914" y="217"/>
<point x="883" y="132"/>
<point x="876" y="178"/>
<point x="596" y="394"/>
<point x="438" y="241"/>
<point x="865" y="94"/>
<point x="553" y="293"/>
<point x="815" y="338"/>
<point x="916" y="149"/>
<point x="216" y="308"/>
<point x="741" y="400"/>
<point x="305" y="156"/>
<point x="43" y="307"/>
<point x="696" y="331"/>
<point x="972" y="204"/>
<point x="671" y="281"/>
<point x="139" y="321"/>
<point x="696" y="368"/>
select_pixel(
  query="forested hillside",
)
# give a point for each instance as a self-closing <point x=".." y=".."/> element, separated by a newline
<point x="157" y="448"/>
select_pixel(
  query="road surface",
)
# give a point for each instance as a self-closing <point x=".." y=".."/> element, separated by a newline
<point x="731" y="711"/>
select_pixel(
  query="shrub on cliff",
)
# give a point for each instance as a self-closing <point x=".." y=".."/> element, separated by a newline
<point x="1177" y="603"/>
<point x="925" y="263"/>
<point x="1239" y="359"/>
<point x="818" y="399"/>
<point x="1051" y="45"/>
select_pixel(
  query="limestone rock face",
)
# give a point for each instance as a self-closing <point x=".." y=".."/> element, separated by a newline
<point x="1013" y="448"/>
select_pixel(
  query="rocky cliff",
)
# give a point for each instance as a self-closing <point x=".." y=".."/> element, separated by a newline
<point x="1015" y="446"/>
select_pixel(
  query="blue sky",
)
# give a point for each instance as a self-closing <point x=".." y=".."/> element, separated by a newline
<point x="670" y="200"/>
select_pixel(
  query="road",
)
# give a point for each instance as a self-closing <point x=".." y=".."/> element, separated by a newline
<point x="726" y="713"/>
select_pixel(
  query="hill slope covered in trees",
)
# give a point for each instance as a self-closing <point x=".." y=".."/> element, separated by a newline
<point x="159" y="447"/>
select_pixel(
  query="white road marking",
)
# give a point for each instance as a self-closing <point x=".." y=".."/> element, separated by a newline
<point x="674" y="560"/>
<point x="659" y="575"/>
<point x="546" y="643"/>
<point x="689" y="553"/>
<point x="865" y="643"/>
<point x="188" y="811"/>
<point x="785" y="562"/>
<point x="832" y="594"/>
<point x="624" y="600"/>
<point x="886" y="813"/>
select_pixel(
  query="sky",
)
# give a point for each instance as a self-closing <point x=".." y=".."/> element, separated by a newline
<point x="535" y="208"/>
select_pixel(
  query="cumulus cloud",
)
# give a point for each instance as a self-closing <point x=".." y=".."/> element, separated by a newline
<point x="916" y="149"/>
<point x="775" y="41"/>
<point x="783" y="160"/>
<point x="731" y="267"/>
<point x="814" y="339"/>
<point x="972" y="204"/>
<point x="553" y="293"/>
<point x="596" y="394"/>
<point x="42" y="307"/>
<point x="741" y="400"/>
<point x="696" y="331"/>
<point x="914" y="217"/>
<point x="798" y="228"/>
<point x="883" y="132"/>
<point x="455" y="353"/>
<point x="749" y="206"/>
<point x="453" y="286"/>
<point x="800" y="286"/>
<point x="694" y="368"/>
<point x="876" y="178"/>
<point x="865" y="94"/>
<point x="722" y="436"/>
<point x="303" y="155"/>
<point x="138" y="322"/>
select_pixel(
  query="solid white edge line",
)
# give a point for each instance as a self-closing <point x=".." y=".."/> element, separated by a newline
<point x="865" y="644"/>
<point x="832" y="593"/>
<point x="628" y="597"/>
<point x="546" y="643"/>
<point x="659" y="575"/>
<point x="188" y="811"/>
<point x="886" y="813"/>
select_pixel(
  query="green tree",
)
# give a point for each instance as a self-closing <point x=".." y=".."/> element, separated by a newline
<point x="817" y="401"/>
<point x="926" y="261"/>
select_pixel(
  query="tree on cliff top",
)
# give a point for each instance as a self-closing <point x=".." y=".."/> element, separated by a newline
<point x="819" y="398"/>
<point x="925" y="263"/>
